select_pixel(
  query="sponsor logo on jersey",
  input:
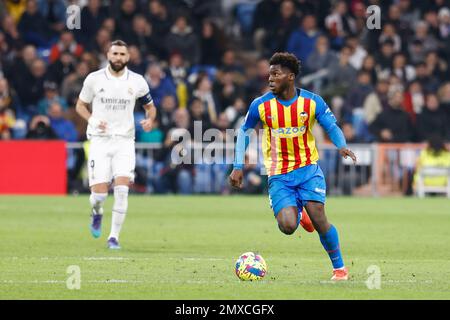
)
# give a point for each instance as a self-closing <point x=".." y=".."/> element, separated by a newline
<point x="289" y="132"/>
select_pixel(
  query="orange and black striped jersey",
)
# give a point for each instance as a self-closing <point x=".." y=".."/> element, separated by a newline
<point x="288" y="142"/>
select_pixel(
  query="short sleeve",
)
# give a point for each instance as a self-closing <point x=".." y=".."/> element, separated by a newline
<point x="252" y="117"/>
<point x="143" y="93"/>
<point x="324" y="115"/>
<point x="87" y="92"/>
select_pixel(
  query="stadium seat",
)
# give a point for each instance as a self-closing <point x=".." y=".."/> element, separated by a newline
<point x="427" y="172"/>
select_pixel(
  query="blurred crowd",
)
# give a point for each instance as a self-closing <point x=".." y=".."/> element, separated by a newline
<point x="207" y="60"/>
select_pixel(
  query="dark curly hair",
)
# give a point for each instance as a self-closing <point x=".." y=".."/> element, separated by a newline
<point x="287" y="60"/>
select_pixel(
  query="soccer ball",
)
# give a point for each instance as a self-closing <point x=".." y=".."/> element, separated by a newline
<point x="250" y="266"/>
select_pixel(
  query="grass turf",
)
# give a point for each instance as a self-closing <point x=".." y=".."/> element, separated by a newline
<point x="185" y="248"/>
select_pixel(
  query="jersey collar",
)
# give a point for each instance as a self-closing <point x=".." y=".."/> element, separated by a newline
<point x="124" y="76"/>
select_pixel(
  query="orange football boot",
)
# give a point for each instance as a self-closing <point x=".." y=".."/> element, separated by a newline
<point x="340" y="274"/>
<point x="305" y="221"/>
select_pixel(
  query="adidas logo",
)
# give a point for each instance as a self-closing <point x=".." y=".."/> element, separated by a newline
<point x="101" y="90"/>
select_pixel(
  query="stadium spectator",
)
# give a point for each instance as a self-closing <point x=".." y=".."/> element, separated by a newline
<point x="99" y="43"/>
<point x="368" y="65"/>
<point x="434" y="155"/>
<point x="143" y="37"/>
<point x="30" y="88"/>
<point x="19" y="67"/>
<point x="230" y="63"/>
<point x="444" y="98"/>
<point x="384" y="58"/>
<point x="414" y="99"/>
<point x="358" y="53"/>
<point x="212" y="44"/>
<point x="51" y="95"/>
<point x="198" y="112"/>
<point x="402" y="70"/>
<point x="34" y="27"/>
<point x="159" y="17"/>
<point x="341" y="74"/>
<point x="164" y="116"/>
<point x="428" y="40"/>
<point x="54" y="12"/>
<point x="92" y="15"/>
<point x="285" y="22"/>
<point x="64" y="129"/>
<point x="12" y="35"/>
<point x="263" y="22"/>
<point x="322" y="57"/>
<point x="160" y="84"/>
<point x="124" y="18"/>
<point x="357" y="94"/>
<point x="68" y="43"/>
<point x="226" y="89"/>
<point x="432" y="120"/>
<point x="183" y="40"/>
<point x="257" y="81"/>
<point x="340" y="24"/>
<point x="72" y="84"/>
<point x="62" y="67"/>
<point x="203" y="91"/>
<point x="177" y="178"/>
<point x="7" y="106"/>
<point x="389" y="33"/>
<point x="393" y="124"/>
<point x="437" y="67"/>
<point x="136" y="63"/>
<point x="40" y="129"/>
<point x="376" y="101"/>
<point x="428" y="82"/>
<point x="301" y="42"/>
<point x="15" y="8"/>
<point x="236" y="112"/>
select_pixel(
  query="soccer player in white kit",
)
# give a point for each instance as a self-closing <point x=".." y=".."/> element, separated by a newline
<point x="112" y="93"/>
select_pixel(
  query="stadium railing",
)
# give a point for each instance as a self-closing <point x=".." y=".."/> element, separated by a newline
<point x="381" y="169"/>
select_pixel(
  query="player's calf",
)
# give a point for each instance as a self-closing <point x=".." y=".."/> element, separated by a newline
<point x="97" y="200"/>
<point x="316" y="211"/>
<point x="119" y="210"/>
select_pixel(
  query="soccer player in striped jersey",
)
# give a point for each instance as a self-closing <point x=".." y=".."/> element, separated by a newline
<point x="296" y="181"/>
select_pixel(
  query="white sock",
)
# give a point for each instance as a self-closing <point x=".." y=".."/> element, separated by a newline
<point x="96" y="200"/>
<point x="119" y="210"/>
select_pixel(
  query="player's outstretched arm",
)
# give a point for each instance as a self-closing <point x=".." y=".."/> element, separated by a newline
<point x="236" y="178"/>
<point x="344" y="152"/>
<point x="251" y="119"/>
<point x="82" y="109"/>
<point x="150" y="115"/>
<point x="327" y="120"/>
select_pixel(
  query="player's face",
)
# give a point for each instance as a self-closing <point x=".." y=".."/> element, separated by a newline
<point x="279" y="78"/>
<point x="118" y="57"/>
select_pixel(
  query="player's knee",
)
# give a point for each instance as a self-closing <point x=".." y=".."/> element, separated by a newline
<point x="97" y="199"/>
<point x="287" y="220"/>
<point x="120" y="199"/>
<point x="287" y="228"/>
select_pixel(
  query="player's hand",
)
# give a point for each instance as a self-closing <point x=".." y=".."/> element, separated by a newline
<point x="147" y="124"/>
<point x="344" y="152"/>
<point x="235" y="178"/>
<point x="98" y="124"/>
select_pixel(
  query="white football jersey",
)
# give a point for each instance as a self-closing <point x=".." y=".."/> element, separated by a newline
<point x="113" y="99"/>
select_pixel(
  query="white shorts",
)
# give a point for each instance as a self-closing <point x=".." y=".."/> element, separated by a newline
<point x="110" y="158"/>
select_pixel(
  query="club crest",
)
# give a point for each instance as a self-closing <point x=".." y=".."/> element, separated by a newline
<point x="303" y="116"/>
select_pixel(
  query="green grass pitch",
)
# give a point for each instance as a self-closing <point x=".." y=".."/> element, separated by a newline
<point x="177" y="247"/>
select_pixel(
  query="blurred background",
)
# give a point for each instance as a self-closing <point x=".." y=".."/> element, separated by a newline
<point x="206" y="61"/>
